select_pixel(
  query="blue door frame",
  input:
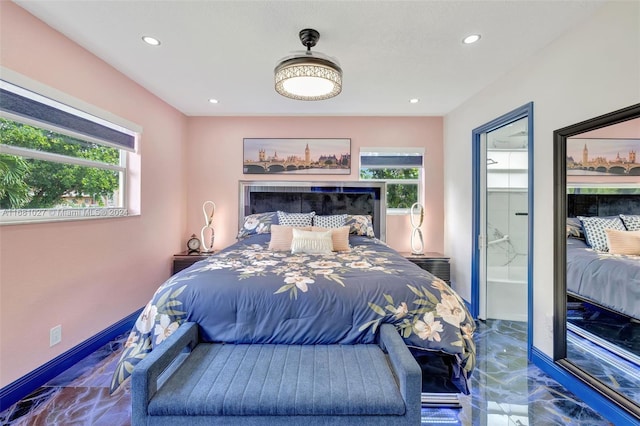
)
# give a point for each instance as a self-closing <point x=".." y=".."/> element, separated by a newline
<point x="517" y="114"/>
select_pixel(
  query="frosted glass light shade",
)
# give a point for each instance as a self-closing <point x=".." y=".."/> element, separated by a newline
<point x="309" y="76"/>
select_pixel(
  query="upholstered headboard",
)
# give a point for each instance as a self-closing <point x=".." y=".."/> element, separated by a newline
<point x="324" y="198"/>
<point x="602" y="204"/>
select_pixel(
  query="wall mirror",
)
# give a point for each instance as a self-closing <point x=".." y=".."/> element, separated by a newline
<point x="597" y="290"/>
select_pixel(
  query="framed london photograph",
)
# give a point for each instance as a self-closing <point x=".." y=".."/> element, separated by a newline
<point x="603" y="159"/>
<point x="296" y="156"/>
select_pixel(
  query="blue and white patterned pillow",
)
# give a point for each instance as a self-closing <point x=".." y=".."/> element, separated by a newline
<point x="259" y="223"/>
<point x="594" y="230"/>
<point x="331" y="221"/>
<point x="631" y="222"/>
<point x="360" y="225"/>
<point x="295" y="219"/>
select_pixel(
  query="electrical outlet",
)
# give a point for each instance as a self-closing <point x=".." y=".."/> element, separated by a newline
<point x="55" y="335"/>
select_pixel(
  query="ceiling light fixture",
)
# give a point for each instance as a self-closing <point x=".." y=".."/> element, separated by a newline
<point x="151" y="40"/>
<point x="307" y="75"/>
<point x="471" y="38"/>
<point x="213" y="101"/>
<point x="414" y="100"/>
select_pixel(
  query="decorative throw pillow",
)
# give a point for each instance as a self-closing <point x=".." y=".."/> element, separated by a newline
<point x="623" y="242"/>
<point x="574" y="228"/>
<point x="259" y="223"/>
<point x="311" y="242"/>
<point x="631" y="222"/>
<point x="332" y="221"/>
<point x="339" y="237"/>
<point x="360" y="225"/>
<point x="594" y="230"/>
<point x="295" y="219"/>
<point x="281" y="237"/>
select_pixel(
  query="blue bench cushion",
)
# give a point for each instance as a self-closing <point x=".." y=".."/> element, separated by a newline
<point x="285" y="380"/>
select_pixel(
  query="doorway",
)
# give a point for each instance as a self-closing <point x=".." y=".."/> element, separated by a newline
<point x="503" y="219"/>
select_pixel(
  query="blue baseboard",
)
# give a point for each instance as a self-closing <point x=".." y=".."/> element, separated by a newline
<point x="22" y="387"/>
<point x="594" y="399"/>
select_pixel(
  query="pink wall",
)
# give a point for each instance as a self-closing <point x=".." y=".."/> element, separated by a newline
<point x="86" y="275"/>
<point x="214" y="156"/>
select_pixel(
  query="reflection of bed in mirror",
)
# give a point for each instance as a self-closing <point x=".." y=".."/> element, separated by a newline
<point x="607" y="280"/>
<point x="600" y="367"/>
<point x="603" y="289"/>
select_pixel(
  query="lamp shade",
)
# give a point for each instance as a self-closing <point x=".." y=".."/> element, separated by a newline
<point x="307" y="75"/>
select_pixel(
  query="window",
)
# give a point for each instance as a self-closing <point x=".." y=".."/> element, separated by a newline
<point x="58" y="162"/>
<point x="401" y="169"/>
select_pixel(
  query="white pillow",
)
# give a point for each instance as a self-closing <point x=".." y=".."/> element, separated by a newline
<point x="311" y="242"/>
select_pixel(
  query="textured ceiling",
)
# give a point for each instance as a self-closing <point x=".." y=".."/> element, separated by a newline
<point x="390" y="51"/>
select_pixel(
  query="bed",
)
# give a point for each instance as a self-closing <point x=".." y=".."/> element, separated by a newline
<point x="261" y="290"/>
<point x="606" y="280"/>
<point x="595" y="274"/>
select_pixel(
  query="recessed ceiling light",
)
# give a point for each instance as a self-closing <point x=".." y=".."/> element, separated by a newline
<point x="414" y="100"/>
<point x="151" y="40"/>
<point x="213" y="101"/>
<point x="471" y="38"/>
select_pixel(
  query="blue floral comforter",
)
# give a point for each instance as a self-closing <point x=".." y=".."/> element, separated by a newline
<point x="249" y="294"/>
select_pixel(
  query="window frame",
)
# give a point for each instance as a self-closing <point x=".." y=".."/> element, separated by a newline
<point x="395" y="152"/>
<point x="43" y="95"/>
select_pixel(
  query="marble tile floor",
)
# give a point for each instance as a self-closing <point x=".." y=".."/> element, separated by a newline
<point x="616" y="372"/>
<point x="506" y="390"/>
<point x="619" y="330"/>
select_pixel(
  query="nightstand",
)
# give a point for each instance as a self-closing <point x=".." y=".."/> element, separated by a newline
<point x="436" y="263"/>
<point x="185" y="259"/>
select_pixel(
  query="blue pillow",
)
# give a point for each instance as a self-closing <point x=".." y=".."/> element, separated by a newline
<point x="295" y="219"/>
<point x="258" y="223"/>
<point x="631" y="222"/>
<point x="360" y="225"/>
<point x="331" y="221"/>
<point x="594" y="230"/>
<point x="574" y="228"/>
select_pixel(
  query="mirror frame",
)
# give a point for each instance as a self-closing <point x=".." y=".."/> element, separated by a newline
<point x="560" y="254"/>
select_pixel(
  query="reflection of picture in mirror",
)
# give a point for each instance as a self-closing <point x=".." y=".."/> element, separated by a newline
<point x="603" y="157"/>
<point x="594" y="339"/>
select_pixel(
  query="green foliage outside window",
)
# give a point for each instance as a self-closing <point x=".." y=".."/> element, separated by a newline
<point x="14" y="191"/>
<point x="400" y="195"/>
<point x="34" y="183"/>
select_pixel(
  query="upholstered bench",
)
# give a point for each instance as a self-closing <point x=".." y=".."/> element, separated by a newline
<point x="187" y="382"/>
